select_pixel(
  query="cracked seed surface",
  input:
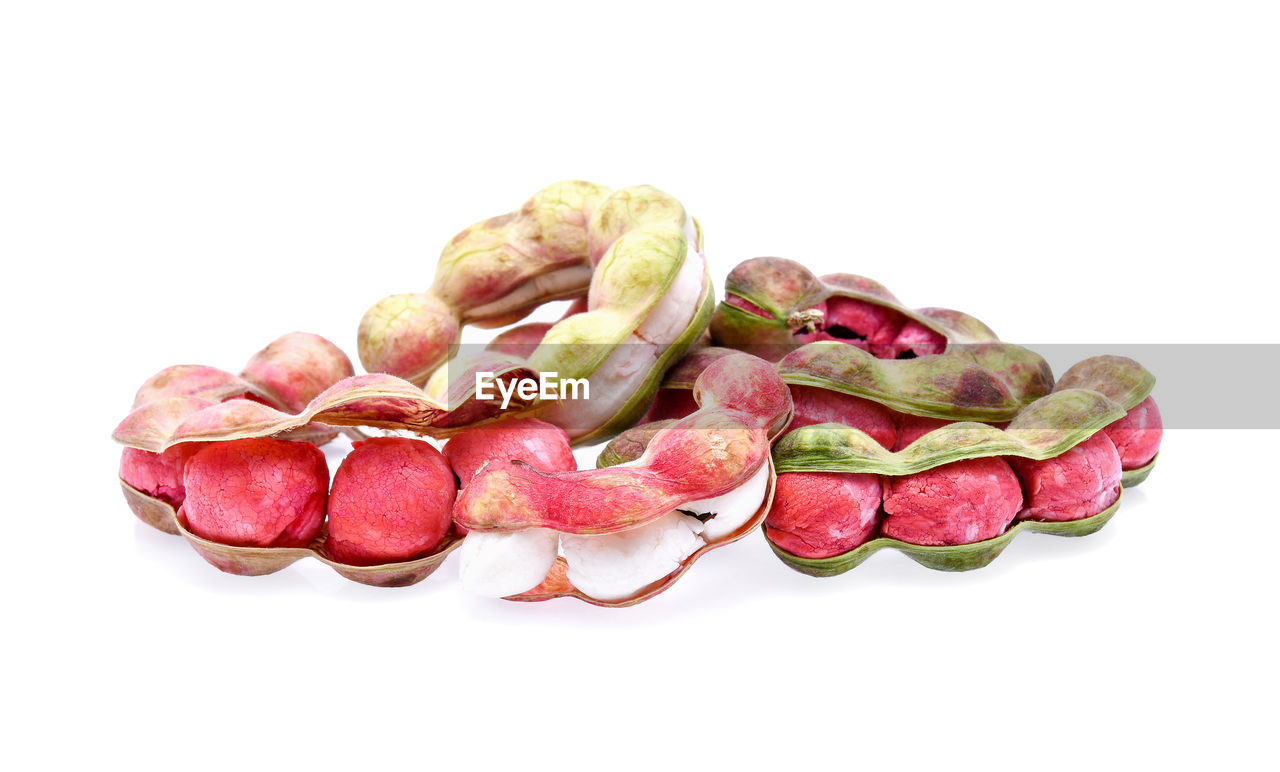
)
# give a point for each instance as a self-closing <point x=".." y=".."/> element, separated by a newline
<point x="1137" y="435"/>
<point x="391" y="501"/>
<point x="1081" y="482"/>
<point x="957" y="503"/>
<point x="542" y="445"/>
<point x="256" y="492"/>
<point x="821" y="514"/>
<point x="158" y="475"/>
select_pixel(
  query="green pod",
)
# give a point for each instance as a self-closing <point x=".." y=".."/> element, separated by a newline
<point x="768" y="300"/>
<point x="630" y="444"/>
<point x="1046" y="428"/>
<point x="636" y="405"/>
<point x="986" y="382"/>
<point x="1121" y="379"/>
<point x="960" y="557"/>
<point x="1134" y="477"/>
<point x="632" y="292"/>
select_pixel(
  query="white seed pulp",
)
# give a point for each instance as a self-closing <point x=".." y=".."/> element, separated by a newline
<point x="502" y="564"/>
<point x="618" y="565"/>
<point x="732" y="510"/>
<point x="614" y="566"/>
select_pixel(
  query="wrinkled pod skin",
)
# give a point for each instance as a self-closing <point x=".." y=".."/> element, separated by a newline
<point x="497" y="271"/>
<point x="1054" y="469"/>
<point x="720" y="449"/>
<point x="293" y="374"/>
<point x="287" y="374"/>
<point x="649" y="298"/>
<point x="971" y="382"/>
<point x="776" y="304"/>
<point x="633" y="253"/>
<point x="491" y="274"/>
<point x="295" y="368"/>
<point x="773" y="305"/>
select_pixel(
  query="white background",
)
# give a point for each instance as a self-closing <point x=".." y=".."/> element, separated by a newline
<point x="183" y="184"/>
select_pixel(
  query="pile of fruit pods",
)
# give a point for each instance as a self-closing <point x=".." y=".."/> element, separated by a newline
<point x="818" y="407"/>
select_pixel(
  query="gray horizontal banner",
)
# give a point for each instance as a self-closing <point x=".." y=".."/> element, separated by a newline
<point x="1198" y="386"/>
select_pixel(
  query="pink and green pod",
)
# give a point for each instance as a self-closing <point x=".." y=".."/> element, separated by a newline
<point x="627" y="532"/>
<point x="955" y="496"/>
<point x="773" y="305"/>
<point x="541" y="445"/>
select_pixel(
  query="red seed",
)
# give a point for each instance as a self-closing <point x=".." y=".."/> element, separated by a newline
<point x="256" y="492"/>
<point x="392" y="501"/>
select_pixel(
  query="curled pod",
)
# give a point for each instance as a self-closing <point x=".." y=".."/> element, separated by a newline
<point x="674" y="398"/>
<point x="957" y="495"/>
<point x="175" y="413"/>
<point x="773" y="305"/>
<point x="627" y="532"/>
<point x="491" y="274"/>
<point x="537" y="443"/>
<point x="633" y="256"/>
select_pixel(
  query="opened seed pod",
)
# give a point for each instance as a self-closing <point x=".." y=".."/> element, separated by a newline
<point x="293" y="368"/>
<point x="955" y="497"/>
<point x="773" y="305"/>
<point x="200" y="463"/>
<point x="618" y="535"/>
<point x="256" y="517"/>
<point x="633" y="253"/>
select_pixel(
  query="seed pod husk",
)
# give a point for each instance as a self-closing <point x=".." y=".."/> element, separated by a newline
<point x="259" y="561"/>
<point x="634" y="253"/>
<point x="1044" y="429"/>
<point x="969" y="383"/>
<point x="960" y="557"/>
<point x="771" y="303"/>
<point x="710" y="454"/>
